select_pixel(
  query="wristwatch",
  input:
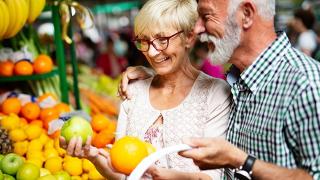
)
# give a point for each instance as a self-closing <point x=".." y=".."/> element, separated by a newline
<point x="245" y="171"/>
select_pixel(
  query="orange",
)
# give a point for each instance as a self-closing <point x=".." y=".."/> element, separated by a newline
<point x="50" y="113"/>
<point x="23" y="68"/>
<point x="56" y="134"/>
<point x="37" y="122"/>
<point x="42" y="64"/>
<point x="101" y="139"/>
<point x="62" y="108"/>
<point x="6" y="68"/>
<point x="127" y="153"/>
<point x="30" y="111"/>
<point x="11" y="105"/>
<point x="99" y="122"/>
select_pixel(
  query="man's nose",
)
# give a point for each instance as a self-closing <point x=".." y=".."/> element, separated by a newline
<point x="199" y="27"/>
<point x="152" y="51"/>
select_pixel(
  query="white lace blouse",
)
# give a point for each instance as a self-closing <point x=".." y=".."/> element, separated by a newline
<point x="203" y="113"/>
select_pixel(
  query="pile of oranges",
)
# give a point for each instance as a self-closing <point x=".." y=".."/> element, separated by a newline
<point x="42" y="64"/>
<point x="103" y="128"/>
<point x="32" y="113"/>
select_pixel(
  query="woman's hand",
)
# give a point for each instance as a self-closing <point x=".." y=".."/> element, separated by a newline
<point x="132" y="73"/>
<point x="99" y="157"/>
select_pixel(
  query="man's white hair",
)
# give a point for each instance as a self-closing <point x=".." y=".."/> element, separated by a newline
<point x="266" y="8"/>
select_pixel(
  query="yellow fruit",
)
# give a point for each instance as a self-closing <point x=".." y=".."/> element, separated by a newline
<point x="17" y="135"/>
<point x="43" y="138"/>
<point x="84" y="176"/>
<point x="94" y="174"/>
<point x="54" y="164"/>
<point x="20" y="148"/>
<point x="10" y="122"/>
<point x="73" y="166"/>
<point x="35" y="154"/>
<point x="150" y="148"/>
<point x="49" y="153"/>
<point x="35" y="145"/>
<point x="33" y="131"/>
<point x="35" y="161"/>
<point x="49" y="144"/>
<point x="76" y="178"/>
<point x="87" y="165"/>
<point x="44" y="172"/>
<point x="47" y="177"/>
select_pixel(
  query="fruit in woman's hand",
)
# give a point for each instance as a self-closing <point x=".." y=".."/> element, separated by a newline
<point x="150" y="148"/>
<point x="28" y="171"/>
<point x="76" y="126"/>
<point x="11" y="163"/>
<point x="127" y="153"/>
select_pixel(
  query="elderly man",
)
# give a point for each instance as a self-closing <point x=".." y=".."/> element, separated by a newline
<point x="274" y="128"/>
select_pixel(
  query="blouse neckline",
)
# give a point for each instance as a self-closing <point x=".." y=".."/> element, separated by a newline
<point x="179" y="105"/>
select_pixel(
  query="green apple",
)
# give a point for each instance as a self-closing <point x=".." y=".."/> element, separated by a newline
<point x="47" y="177"/>
<point x="62" y="175"/>
<point x="1" y="175"/>
<point x="1" y="157"/>
<point x="76" y="126"/>
<point x="11" y="163"/>
<point x="8" y="177"/>
<point x="44" y="172"/>
<point x="28" y="171"/>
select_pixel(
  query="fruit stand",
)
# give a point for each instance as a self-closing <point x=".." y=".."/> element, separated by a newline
<point x="29" y="138"/>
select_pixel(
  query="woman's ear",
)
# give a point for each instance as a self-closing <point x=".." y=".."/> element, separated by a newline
<point x="191" y="39"/>
<point x="248" y="11"/>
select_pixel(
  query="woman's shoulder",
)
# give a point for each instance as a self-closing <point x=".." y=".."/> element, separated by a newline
<point x="217" y="90"/>
<point x="139" y="86"/>
<point x="212" y="83"/>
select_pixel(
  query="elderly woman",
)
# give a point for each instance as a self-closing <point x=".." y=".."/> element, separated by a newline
<point x="175" y="102"/>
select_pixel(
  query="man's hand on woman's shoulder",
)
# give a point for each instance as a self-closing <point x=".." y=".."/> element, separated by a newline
<point x="132" y="73"/>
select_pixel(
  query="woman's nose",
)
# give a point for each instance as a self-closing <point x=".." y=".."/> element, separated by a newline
<point x="152" y="51"/>
<point x="199" y="27"/>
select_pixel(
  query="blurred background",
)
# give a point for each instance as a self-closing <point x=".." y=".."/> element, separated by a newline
<point x="107" y="47"/>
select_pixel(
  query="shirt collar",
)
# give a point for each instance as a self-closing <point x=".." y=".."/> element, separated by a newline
<point x="265" y="63"/>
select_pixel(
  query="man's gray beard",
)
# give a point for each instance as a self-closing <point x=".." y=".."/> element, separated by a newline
<point x="224" y="47"/>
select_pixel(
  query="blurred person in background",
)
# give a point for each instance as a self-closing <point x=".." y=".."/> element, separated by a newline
<point x="112" y="62"/>
<point x="173" y="103"/>
<point x="316" y="52"/>
<point x="303" y="23"/>
<point x="201" y="52"/>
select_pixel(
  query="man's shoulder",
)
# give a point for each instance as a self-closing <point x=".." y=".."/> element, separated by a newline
<point x="301" y="67"/>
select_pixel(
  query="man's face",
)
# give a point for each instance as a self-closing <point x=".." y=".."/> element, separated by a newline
<point x="219" y="29"/>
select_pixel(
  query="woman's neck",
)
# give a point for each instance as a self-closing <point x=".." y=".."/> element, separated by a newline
<point x="179" y="79"/>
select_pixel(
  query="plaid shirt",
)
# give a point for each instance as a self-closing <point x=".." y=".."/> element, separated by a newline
<point x="276" y="110"/>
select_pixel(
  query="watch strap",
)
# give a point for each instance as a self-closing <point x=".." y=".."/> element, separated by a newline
<point x="248" y="164"/>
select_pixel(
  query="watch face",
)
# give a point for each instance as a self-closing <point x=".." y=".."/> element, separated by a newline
<point x="242" y="175"/>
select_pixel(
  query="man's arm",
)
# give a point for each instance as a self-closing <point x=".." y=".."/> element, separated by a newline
<point x="268" y="171"/>
<point x="132" y="73"/>
<point x="213" y="153"/>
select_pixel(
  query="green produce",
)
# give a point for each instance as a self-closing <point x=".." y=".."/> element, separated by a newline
<point x="76" y="126"/>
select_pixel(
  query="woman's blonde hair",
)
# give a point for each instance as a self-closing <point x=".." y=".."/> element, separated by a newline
<point x="162" y="14"/>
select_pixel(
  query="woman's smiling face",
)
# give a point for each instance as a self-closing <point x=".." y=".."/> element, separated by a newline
<point x="172" y="58"/>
